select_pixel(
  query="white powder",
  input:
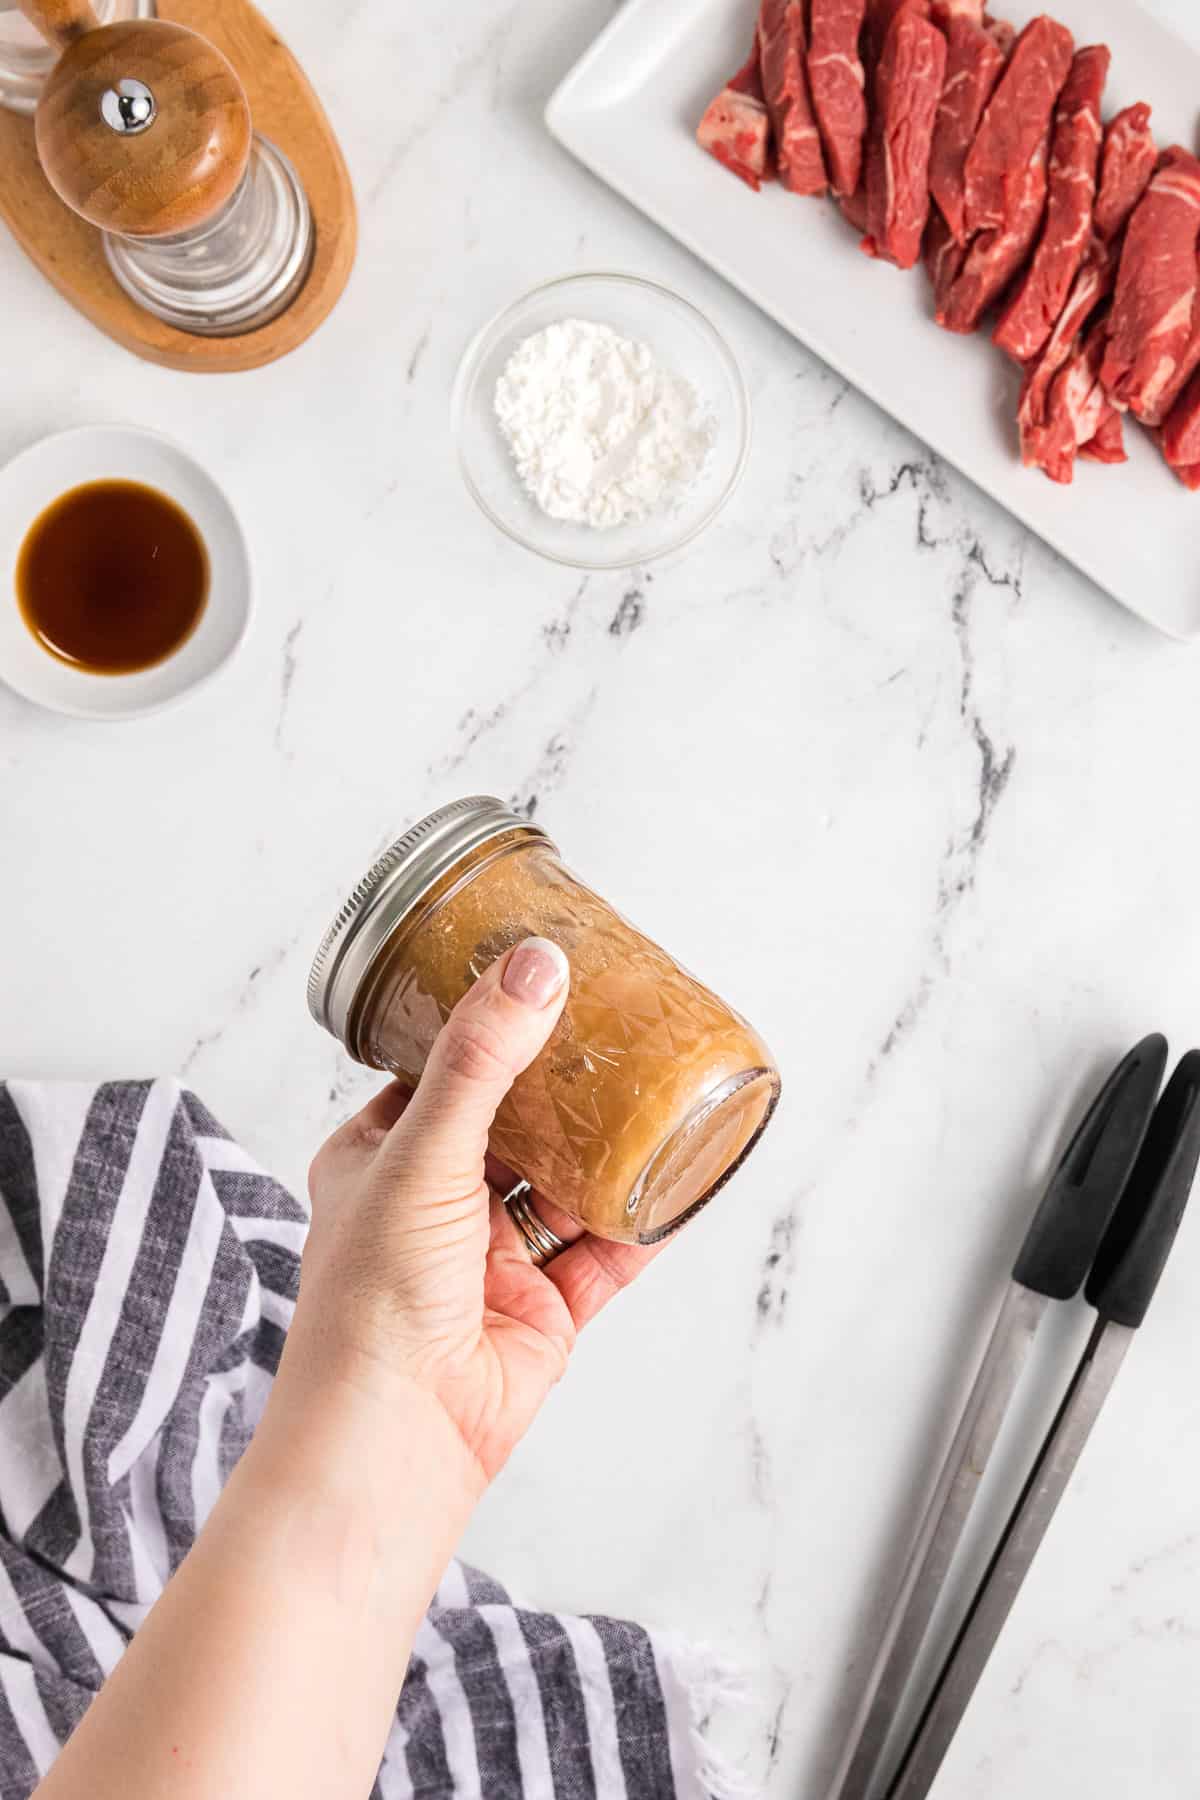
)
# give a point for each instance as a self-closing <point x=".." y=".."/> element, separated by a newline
<point x="600" y="432"/>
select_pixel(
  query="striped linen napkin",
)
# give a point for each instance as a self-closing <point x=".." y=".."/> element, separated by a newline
<point x="148" y="1271"/>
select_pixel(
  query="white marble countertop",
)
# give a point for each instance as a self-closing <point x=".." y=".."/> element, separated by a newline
<point x="884" y="771"/>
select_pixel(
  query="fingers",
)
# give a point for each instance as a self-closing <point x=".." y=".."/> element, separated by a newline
<point x="379" y="1115"/>
<point x="354" y="1143"/>
<point x="589" y="1273"/>
<point x="490" y="1038"/>
<point x="502" y="1181"/>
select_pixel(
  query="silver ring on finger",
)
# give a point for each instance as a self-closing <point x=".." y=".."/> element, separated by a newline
<point x="542" y="1243"/>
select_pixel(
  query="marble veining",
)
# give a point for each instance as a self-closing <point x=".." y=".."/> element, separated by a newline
<point x="287" y="676"/>
<point x="779" y="1265"/>
<point x="868" y="758"/>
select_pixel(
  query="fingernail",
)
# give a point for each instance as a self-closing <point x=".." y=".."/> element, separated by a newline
<point x="535" y="972"/>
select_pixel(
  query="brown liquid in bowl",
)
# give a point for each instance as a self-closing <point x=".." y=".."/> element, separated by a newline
<point x="112" y="578"/>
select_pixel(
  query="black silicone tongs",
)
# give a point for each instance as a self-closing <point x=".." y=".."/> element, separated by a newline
<point x="1108" y="1219"/>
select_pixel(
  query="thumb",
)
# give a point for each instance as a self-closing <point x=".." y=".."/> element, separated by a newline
<point x="490" y="1038"/>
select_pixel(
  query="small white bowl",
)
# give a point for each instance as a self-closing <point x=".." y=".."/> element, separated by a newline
<point x="682" y="339"/>
<point x="32" y="481"/>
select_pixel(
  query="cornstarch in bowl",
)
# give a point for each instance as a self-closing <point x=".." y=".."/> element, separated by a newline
<point x="599" y="430"/>
<point x="602" y="421"/>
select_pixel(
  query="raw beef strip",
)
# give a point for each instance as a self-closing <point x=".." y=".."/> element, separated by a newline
<point x="995" y="256"/>
<point x="835" y="76"/>
<point x="1126" y="165"/>
<point x="908" y="85"/>
<point x="973" y="67"/>
<point x="781" y="51"/>
<point x="1029" y="317"/>
<point x="1122" y="156"/>
<point x="1183" y="371"/>
<point x="1016" y="122"/>
<point x="1079" y="414"/>
<point x="1108" y="445"/>
<point x="1099" y="430"/>
<point x="1005" y="175"/>
<point x="943" y="258"/>
<point x="1181" y="435"/>
<point x="877" y="22"/>
<point x="1156" y="287"/>
<point x="1186" y="367"/>
<point x="1181" y="432"/>
<point x="1092" y="284"/>
<point x="735" y="127"/>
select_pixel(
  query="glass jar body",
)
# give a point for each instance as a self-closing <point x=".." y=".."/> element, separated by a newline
<point x="651" y="1090"/>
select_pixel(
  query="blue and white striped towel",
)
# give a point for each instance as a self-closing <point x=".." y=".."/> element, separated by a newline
<point x="147" y="1274"/>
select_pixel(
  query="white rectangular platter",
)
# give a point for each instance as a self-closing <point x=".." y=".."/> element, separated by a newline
<point x="628" y="110"/>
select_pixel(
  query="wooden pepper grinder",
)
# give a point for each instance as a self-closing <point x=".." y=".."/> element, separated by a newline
<point x="143" y="129"/>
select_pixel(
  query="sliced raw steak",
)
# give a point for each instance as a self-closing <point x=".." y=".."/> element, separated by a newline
<point x="994" y="257"/>
<point x="943" y="258"/>
<point x="876" y="25"/>
<point x="1006" y="171"/>
<point x="1092" y="285"/>
<point x="1030" y="315"/>
<point x="974" y="64"/>
<point x="1189" y="362"/>
<point x="1080" y="417"/>
<point x="1122" y="160"/>
<point x="735" y="127"/>
<point x="1099" y="427"/>
<point x="1108" y="445"/>
<point x="1131" y="173"/>
<point x="835" y="77"/>
<point x="908" y="86"/>
<point x="1155" y="413"/>
<point x="1016" y="122"/>
<point x="1184" y="369"/>
<point x="877" y="21"/>
<point x="1181" y="435"/>
<point x="1126" y="165"/>
<point x="782" y="51"/>
<point x="1151" y="324"/>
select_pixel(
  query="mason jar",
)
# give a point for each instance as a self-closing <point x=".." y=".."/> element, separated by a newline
<point x="650" y="1092"/>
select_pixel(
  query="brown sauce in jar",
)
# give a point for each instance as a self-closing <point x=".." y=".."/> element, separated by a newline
<point x="112" y="578"/>
<point x="651" y="1090"/>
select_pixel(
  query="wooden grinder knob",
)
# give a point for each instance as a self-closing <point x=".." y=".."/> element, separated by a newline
<point x="143" y="127"/>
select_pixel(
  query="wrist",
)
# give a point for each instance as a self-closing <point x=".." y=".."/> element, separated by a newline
<point x="357" y="1421"/>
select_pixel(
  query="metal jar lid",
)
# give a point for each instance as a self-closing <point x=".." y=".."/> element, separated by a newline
<point x="387" y="893"/>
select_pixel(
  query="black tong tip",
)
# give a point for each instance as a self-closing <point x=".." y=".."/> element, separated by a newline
<point x="1082" y="1197"/>
<point x="1135" y="1248"/>
<point x="1114" y="1204"/>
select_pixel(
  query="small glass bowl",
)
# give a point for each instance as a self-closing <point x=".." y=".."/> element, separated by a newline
<point x="681" y="339"/>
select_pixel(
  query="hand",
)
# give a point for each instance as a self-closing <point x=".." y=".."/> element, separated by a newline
<point x="413" y="1269"/>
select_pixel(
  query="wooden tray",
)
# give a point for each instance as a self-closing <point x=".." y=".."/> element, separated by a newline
<point x="286" y="110"/>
